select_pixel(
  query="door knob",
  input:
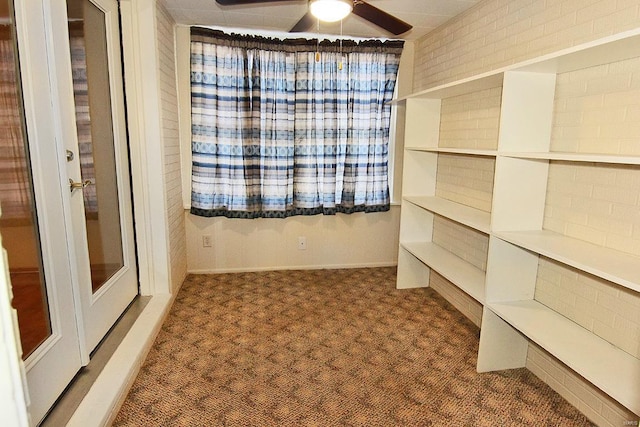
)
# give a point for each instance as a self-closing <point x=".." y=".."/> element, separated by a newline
<point x="75" y="185"/>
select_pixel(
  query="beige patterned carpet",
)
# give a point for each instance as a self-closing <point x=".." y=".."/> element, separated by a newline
<point x="326" y="348"/>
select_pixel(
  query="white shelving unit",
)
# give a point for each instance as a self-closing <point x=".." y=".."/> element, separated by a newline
<point x="471" y="152"/>
<point x="471" y="217"/>
<point x="614" y="266"/>
<point x="511" y="316"/>
<point x="467" y="277"/>
<point x="614" y="371"/>
<point x="578" y="157"/>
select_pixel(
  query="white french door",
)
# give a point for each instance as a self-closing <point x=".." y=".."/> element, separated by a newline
<point x="88" y="68"/>
<point x="67" y="220"/>
<point x="33" y="222"/>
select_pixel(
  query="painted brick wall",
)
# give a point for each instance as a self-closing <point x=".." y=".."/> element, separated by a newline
<point x="468" y="121"/>
<point x="597" y="110"/>
<point x="610" y="311"/>
<point x="466" y="243"/>
<point x="461" y="301"/>
<point x="471" y="120"/>
<point x="592" y="402"/>
<point x="497" y="33"/>
<point x="597" y="203"/>
<point x="170" y="136"/>
<point x="466" y="179"/>
<point x="589" y="118"/>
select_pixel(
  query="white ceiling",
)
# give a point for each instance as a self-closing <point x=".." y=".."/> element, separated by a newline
<point x="424" y="15"/>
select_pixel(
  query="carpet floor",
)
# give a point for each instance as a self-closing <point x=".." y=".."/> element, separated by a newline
<point x="326" y="348"/>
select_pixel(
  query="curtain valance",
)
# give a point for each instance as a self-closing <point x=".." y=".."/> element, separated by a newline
<point x="207" y="35"/>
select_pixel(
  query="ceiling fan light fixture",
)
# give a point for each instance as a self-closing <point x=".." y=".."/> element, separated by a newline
<point x="330" y="10"/>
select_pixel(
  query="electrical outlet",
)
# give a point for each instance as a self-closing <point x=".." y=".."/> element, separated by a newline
<point x="302" y="243"/>
<point x="206" y="241"/>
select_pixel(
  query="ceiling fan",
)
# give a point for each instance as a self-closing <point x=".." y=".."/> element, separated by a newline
<point x="335" y="10"/>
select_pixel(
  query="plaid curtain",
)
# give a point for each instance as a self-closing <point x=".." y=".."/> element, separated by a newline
<point x="282" y="128"/>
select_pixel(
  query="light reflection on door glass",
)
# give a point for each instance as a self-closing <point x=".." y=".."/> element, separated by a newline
<point x="89" y="61"/>
<point x="19" y="223"/>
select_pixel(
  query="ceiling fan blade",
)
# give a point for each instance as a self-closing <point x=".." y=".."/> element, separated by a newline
<point x="241" y="2"/>
<point x="380" y="18"/>
<point x="304" y="24"/>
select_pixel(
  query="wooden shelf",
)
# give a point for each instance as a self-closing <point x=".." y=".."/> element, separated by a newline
<point x="465" y="276"/>
<point x="577" y="157"/>
<point x="614" y="371"/>
<point x="462" y="151"/>
<point x="614" y="266"/>
<point x="471" y="217"/>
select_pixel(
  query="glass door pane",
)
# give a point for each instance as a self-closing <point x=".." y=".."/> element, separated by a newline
<point x="90" y="69"/>
<point x="18" y="223"/>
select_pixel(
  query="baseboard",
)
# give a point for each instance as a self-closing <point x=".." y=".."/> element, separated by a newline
<point x="101" y="404"/>
<point x="292" y="267"/>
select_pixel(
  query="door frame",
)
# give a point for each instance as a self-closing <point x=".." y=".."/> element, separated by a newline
<point x="144" y="124"/>
<point x="147" y="173"/>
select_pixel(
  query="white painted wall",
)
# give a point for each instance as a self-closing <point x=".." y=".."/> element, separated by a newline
<point x="357" y="240"/>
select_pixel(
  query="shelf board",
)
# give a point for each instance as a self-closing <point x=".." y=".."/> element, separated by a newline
<point x="460" y="87"/>
<point x="612" y="370"/>
<point x="471" y="217"/>
<point x="605" y="50"/>
<point x="464" y="151"/>
<point x="614" y="48"/>
<point x="465" y="276"/>
<point x="609" y="264"/>
<point x="577" y="157"/>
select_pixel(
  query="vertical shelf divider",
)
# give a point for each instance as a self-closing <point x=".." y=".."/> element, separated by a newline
<point x="412" y="273"/>
<point x="419" y="179"/>
<point x="527" y="111"/>
<point x="519" y="193"/>
<point x="514" y="277"/>
<point x="518" y="203"/>
<point x="423" y="115"/>
<point x="501" y="346"/>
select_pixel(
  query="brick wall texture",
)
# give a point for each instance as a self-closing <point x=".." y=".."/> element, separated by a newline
<point x="171" y="146"/>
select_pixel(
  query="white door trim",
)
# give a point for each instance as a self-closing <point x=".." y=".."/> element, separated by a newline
<point x="147" y="152"/>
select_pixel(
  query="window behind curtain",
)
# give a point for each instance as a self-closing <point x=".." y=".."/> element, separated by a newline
<point x="283" y="128"/>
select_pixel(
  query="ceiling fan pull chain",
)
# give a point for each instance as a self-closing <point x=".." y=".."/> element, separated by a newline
<point x="318" y="40"/>
<point x="340" y="53"/>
